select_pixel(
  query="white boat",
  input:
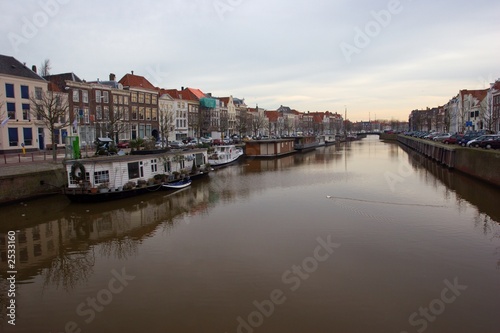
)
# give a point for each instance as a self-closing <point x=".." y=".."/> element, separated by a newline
<point x="178" y="185"/>
<point x="102" y="178"/>
<point x="224" y="155"/>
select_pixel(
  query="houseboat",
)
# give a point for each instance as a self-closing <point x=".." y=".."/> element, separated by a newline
<point x="305" y="143"/>
<point x="269" y="148"/>
<point x="104" y="178"/>
<point x="224" y="155"/>
<point x="330" y="139"/>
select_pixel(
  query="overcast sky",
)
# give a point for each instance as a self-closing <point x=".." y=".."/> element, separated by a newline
<point x="377" y="58"/>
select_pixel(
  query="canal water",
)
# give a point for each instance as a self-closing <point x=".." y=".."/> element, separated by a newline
<point x="366" y="237"/>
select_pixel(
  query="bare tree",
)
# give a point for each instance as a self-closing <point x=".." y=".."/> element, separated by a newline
<point x="258" y="123"/>
<point x="166" y="121"/>
<point x="241" y="122"/>
<point x="45" y="68"/>
<point x="488" y="117"/>
<point x="114" y="124"/>
<point x="50" y="109"/>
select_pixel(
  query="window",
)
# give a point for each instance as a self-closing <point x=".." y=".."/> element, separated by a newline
<point x="148" y="130"/>
<point x="154" y="165"/>
<point x="101" y="177"/>
<point x="133" y="96"/>
<point x="154" y="99"/>
<point x="106" y="113"/>
<point x="25" y="92"/>
<point x="11" y="110"/>
<point x="98" y="96"/>
<point x="78" y="174"/>
<point x="141" y="131"/>
<point x="148" y="98"/>
<point x="105" y="96"/>
<point x="85" y="96"/>
<point x="38" y="93"/>
<point x="76" y="96"/>
<point x="13" y="137"/>
<point x="26" y="111"/>
<point x="141" y="113"/>
<point x="9" y="90"/>
<point x="125" y="113"/>
<point x="86" y="116"/>
<point x="134" y="112"/>
<point x="148" y="113"/>
<point x="98" y="112"/>
<point x="28" y="136"/>
<point x="154" y="113"/>
<point x="167" y="167"/>
<point x="125" y="100"/>
<point x="133" y="170"/>
<point x="115" y="99"/>
<point x="141" y="98"/>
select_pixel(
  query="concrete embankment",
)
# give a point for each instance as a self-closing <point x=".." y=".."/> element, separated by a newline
<point x="28" y="180"/>
<point x="479" y="163"/>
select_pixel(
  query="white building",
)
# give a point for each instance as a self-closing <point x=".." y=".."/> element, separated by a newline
<point x="17" y="85"/>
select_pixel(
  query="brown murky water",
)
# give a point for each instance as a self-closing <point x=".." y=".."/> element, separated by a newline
<point x="363" y="238"/>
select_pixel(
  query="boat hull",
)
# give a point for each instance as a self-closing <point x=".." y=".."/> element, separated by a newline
<point x="85" y="196"/>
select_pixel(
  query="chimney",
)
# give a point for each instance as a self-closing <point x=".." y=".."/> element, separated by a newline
<point x="33" y="68"/>
<point x="112" y="77"/>
<point x="182" y="88"/>
<point x="132" y="72"/>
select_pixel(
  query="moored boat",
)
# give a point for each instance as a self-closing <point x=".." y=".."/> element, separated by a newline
<point x="178" y="184"/>
<point x="224" y="155"/>
<point x="305" y="143"/>
<point x="104" y="178"/>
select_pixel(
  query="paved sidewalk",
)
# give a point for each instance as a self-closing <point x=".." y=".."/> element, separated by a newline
<point x="17" y="164"/>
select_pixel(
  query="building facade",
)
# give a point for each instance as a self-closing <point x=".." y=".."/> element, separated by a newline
<point x="19" y="129"/>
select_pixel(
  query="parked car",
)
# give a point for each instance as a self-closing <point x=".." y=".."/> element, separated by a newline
<point x="453" y="139"/>
<point x="206" y="140"/>
<point x="475" y="142"/>
<point x="176" y="145"/>
<point x="465" y="139"/>
<point x="486" y="141"/>
<point x="441" y="137"/>
<point x="123" y="144"/>
<point x="491" y="142"/>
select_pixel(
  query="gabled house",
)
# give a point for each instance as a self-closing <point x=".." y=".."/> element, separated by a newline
<point x="143" y="106"/>
<point x="230" y="117"/>
<point x="18" y="84"/>
<point x="187" y="111"/>
<point x="472" y="108"/>
<point x="492" y="117"/>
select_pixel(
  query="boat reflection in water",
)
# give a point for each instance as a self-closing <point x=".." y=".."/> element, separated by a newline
<point x="62" y="246"/>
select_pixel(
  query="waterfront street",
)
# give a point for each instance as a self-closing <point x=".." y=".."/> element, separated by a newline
<point x="363" y="237"/>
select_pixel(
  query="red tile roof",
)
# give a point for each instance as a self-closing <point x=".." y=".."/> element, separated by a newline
<point x="137" y="81"/>
<point x="189" y="94"/>
<point x="477" y="94"/>
<point x="272" y="116"/>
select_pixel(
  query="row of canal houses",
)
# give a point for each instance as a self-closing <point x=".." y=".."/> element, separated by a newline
<point x="469" y="110"/>
<point x="132" y="108"/>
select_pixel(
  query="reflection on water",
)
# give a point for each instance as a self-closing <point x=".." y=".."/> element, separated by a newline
<point x="202" y="256"/>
